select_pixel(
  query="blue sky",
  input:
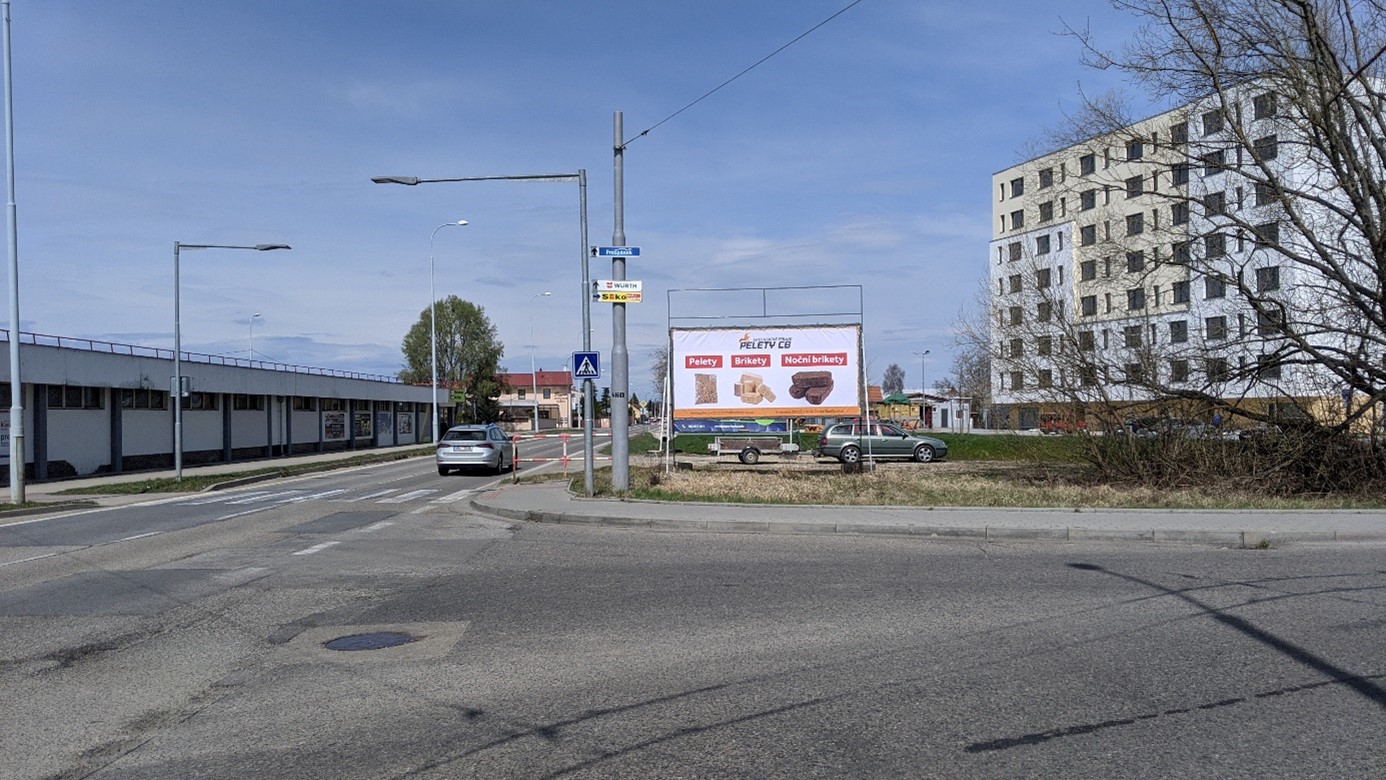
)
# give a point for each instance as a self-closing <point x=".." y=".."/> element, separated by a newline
<point x="862" y="155"/>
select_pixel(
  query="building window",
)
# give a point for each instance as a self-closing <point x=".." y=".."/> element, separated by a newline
<point x="1179" y="174"/>
<point x="1263" y="105"/>
<point x="1046" y="178"/>
<point x="1017" y="317"/>
<point x="1134" y="149"/>
<point x="1266" y="148"/>
<point x="1131" y="335"/>
<point x="1135" y="299"/>
<point x="1213" y="162"/>
<point x="242" y="402"/>
<point x="1214" y="287"/>
<point x="1270" y="324"/>
<point x="1135" y="262"/>
<point x="1179" y="291"/>
<point x="1135" y="224"/>
<point x="1216" y="369"/>
<point x="1180" y="254"/>
<point x="1213" y="122"/>
<point x="1179" y="133"/>
<point x="1046" y="377"/>
<point x="1087" y="235"/>
<point x="1215" y="203"/>
<point x="1134" y="186"/>
<point x="1178" y="331"/>
<point x="1044" y="311"/>
<point x="1215" y="328"/>
<point x="1087" y="270"/>
<point x="143" y="398"/>
<point x="1041" y="245"/>
<point x="1268" y="279"/>
<point x="1179" y="213"/>
<point x="1017" y="187"/>
<point x="1265" y="194"/>
<point x="1088" y="305"/>
<point x="1046" y="211"/>
<point x="1087" y="342"/>
<point x="1087" y="164"/>
<point x="1135" y="374"/>
<point x="1044" y="345"/>
<point x="1178" y="370"/>
<point x="305" y="404"/>
<point x="1017" y="348"/>
<point x="1018" y="219"/>
<point x="1267" y="234"/>
<point x="1267" y="367"/>
<point x="1087" y="199"/>
<point x="1043" y="277"/>
<point x="1013" y="251"/>
<point x="75" y="397"/>
<point x="1014" y="281"/>
<point x="1214" y="245"/>
<point x="1017" y="380"/>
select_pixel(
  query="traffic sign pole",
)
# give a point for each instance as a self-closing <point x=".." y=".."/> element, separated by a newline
<point x="620" y="358"/>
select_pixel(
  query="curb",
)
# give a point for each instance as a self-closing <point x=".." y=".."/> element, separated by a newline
<point x="1243" y="539"/>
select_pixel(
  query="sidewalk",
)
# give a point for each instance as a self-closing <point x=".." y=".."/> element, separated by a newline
<point x="552" y="503"/>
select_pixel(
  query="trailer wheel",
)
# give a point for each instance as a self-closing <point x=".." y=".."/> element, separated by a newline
<point x="750" y="456"/>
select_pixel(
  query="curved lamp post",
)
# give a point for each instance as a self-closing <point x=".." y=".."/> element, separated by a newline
<point x="433" y="322"/>
<point x="923" y="389"/>
<point x="253" y="317"/>
<point x="534" y="378"/>
<point x="177" y="387"/>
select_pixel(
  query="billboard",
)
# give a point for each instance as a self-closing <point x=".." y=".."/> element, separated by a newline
<point x="791" y="371"/>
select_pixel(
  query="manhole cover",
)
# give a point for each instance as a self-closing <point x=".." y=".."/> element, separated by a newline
<point x="374" y="641"/>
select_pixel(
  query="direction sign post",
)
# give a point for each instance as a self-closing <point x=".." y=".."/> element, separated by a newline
<point x="618" y="251"/>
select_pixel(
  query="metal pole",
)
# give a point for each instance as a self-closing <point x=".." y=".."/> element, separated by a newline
<point x="177" y="388"/>
<point x="620" y="359"/>
<point x="433" y="324"/>
<point x="16" y="386"/>
<point x="587" y="387"/>
<point x="533" y="377"/>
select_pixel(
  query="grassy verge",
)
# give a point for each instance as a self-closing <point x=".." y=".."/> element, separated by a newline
<point x="191" y="483"/>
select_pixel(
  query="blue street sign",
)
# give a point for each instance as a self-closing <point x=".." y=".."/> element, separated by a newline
<point x="587" y="365"/>
<point x="618" y="251"/>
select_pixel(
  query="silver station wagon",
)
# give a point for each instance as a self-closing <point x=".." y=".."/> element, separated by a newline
<point x="852" y="442"/>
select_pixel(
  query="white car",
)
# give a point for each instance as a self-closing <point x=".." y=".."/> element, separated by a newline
<point x="475" y="446"/>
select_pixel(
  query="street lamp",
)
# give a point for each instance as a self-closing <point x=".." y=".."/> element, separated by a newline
<point x="252" y="334"/>
<point x="580" y="176"/>
<point x="433" y="323"/>
<point x="534" y="378"/>
<point x="178" y="343"/>
<point x="923" y="389"/>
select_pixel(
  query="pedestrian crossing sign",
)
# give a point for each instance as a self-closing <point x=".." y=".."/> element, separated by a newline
<point x="587" y="365"/>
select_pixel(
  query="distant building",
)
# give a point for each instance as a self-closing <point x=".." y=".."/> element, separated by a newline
<point x="555" y="399"/>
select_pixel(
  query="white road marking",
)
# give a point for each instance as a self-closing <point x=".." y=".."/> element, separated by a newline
<point x="458" y="496"/>
<point x="284" y="495"/>
<point x="136" y="536"/>
<point x="376" y="494"/>
<point x="410" y="496"/>
<point x="35" y="558"/>
<point x="316" y="548"/>
<point x="315" y="496"/>
<point x="225" y="497"/>
<point x="376" y="526"/>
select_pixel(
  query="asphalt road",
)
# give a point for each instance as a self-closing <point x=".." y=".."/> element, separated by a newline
<point x="184" y="639"/>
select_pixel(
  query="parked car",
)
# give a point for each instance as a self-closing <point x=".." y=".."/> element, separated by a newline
<point x="1057" y="424"/>
<point x="475" y="446"/>
<point x="851" y="442"/>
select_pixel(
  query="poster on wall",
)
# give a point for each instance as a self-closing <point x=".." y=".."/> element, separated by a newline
<point x="333" y="426"/>
<point x="792" y="371"/>
<point x="385" y="424"/>
<point x="361" y="425"/>
<point x="404" y="424"/>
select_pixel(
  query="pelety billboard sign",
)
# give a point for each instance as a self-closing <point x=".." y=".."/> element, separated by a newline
<point x="793" y="371"/>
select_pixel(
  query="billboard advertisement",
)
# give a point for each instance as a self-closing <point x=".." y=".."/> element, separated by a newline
<point x="792" y="371"/>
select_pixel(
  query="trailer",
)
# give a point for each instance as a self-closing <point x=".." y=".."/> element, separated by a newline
<point x="748" y="449"/>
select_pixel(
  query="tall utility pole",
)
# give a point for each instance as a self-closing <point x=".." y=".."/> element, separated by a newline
<point x="16" y="387"/>
<point x="620" y="358"/>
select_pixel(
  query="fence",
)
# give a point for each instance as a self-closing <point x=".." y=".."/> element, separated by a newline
<point x="565" y="458"/>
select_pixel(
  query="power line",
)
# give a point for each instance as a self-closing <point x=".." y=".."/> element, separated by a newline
<point x="709" y="93"/>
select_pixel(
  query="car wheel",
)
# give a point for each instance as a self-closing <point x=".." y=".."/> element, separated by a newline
<point x="923" y="453"/>
<point x="750" y="456"/>
<point x="849" y="454"/>
<point x="442" y="471"/>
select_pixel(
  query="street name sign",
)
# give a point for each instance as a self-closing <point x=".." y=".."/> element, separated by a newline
<point x="618" y="251"/>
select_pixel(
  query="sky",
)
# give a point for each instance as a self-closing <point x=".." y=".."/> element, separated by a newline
<point x="859" y="156"/>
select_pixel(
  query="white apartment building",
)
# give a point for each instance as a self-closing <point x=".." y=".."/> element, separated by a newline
<point x="1122" y="268"/>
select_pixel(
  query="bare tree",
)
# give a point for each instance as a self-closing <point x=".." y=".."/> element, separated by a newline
<point x="894" y="379"/>
<point x="1286" y="100"/>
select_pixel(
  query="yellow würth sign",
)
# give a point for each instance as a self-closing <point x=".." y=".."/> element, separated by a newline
<point x="610" y="296"/>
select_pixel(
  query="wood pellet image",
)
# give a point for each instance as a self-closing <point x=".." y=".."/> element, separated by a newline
<point x="704" y="388"/>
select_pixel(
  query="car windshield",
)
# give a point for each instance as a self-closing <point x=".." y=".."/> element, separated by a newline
<point x="465" y="436"/>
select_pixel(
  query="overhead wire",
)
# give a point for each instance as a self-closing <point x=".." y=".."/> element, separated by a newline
<point x="757" y="63"/>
